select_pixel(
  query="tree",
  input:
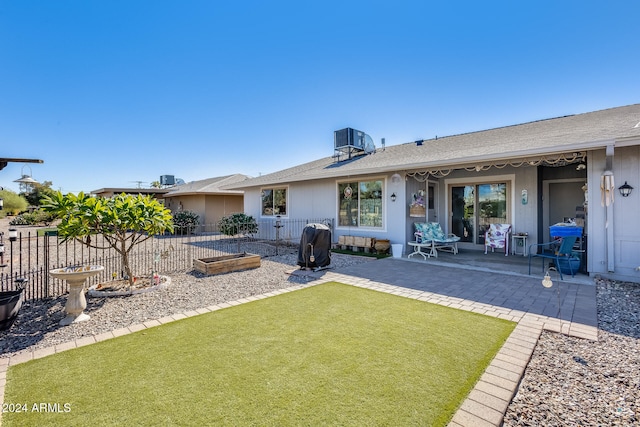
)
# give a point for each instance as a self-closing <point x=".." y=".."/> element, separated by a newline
<point x="124" y="221"/>
<point x="38" y="191"/>
<point x="13" y="202"/>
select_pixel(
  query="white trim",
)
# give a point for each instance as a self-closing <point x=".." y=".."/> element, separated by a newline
<point x="273" y="188"/>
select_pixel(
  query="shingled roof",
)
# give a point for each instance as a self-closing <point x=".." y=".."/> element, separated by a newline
<point x="578" y="132"/>
<point x="210" y="186"/>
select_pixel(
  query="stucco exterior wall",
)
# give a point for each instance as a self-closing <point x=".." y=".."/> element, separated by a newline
<point x="218" y="206"/>
<point x="210" y="208"/>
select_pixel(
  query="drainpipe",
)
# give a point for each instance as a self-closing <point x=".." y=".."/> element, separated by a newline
<point x="609" y="217"/>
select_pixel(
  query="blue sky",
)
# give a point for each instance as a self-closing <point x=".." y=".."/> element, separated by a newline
<point x="109" y="93"/>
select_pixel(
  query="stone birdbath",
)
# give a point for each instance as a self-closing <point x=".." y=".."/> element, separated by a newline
<point x="76" y="301"/>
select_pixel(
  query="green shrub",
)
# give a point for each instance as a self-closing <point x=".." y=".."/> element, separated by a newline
<point x="13" y="203"/>
<point x="38" y="217"/>
<point x="238" y="223"/>
<point x="185" y="221"/>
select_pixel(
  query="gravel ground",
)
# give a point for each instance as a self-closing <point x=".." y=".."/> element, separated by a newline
<point x="576" y="382"/>
<point x="37" y="323"/>
<point x="568" y="382"/>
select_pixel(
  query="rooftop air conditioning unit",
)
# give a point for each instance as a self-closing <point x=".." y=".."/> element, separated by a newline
<point x="167" y="180"/>
<point x="349" y="137"/>
<point x="352" y="142"/>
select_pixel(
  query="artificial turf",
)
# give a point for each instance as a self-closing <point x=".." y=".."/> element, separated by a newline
<point x="330" y="354"/>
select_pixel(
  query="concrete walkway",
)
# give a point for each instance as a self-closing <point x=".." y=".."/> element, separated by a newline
<point x="567" y="307"/>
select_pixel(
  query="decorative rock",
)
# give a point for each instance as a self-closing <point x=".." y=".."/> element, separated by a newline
<point x="37" y="327"/>
<point x="577" y="382"/>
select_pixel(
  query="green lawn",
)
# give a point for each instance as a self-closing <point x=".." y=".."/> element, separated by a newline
<point x="331" y="354"/>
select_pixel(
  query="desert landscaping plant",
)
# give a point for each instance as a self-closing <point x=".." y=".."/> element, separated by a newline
<point x="185" y="221"/>
<point x="38" y="217"/>
<point x="124" y="221"/>
<point x="13" y="203"/>
<point x="238" y="223"/>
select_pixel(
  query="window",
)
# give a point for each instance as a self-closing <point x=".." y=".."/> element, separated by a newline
<point x="274" y="201"/>
<point x="360" y="204"/>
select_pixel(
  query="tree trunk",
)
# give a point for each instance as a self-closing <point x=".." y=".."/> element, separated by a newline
<point x="125" y="263"/>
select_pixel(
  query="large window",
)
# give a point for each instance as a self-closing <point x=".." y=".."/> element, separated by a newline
<point x="360" y="204"/>
<point x="274" y="201"/>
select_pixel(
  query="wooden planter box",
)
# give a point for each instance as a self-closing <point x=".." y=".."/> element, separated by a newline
<point x="346" y="240"/>
<point x="226" y="263"/>
<point x="362" y="242"/>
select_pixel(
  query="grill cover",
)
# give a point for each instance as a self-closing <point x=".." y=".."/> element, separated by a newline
<point x="317" y="236"/>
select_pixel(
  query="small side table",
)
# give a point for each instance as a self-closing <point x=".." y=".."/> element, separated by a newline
<point x="417" y="249"/>
<point x="519" y="240"/>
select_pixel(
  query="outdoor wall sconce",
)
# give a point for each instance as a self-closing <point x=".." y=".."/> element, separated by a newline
<point x="393" y="197"/>
<point x="625" y="189"/>
<point x="13" y="234"/>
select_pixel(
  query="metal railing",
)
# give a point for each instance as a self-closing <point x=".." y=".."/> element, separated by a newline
<point x="26" y="261"/>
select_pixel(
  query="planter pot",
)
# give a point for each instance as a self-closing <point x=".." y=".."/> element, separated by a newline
<point x="76" y="301"/>
<point x="382" y="245"/>
<point x="565" y="263"/>
<point x="226" y="263"/>
<point x="396" y="250"/>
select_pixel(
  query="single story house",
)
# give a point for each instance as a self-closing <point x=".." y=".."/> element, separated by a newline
<point x="207" y="198"/>
<point x="108" y="192"/>
<point x="531" y="175"/>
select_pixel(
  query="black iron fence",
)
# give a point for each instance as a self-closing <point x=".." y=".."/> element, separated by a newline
<point x="26" y="260"/>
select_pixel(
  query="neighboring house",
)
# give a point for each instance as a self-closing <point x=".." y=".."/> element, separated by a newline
<point x="207" y="198"/>
<point x="158" y="193"/>
<point x="530" y="175"/>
